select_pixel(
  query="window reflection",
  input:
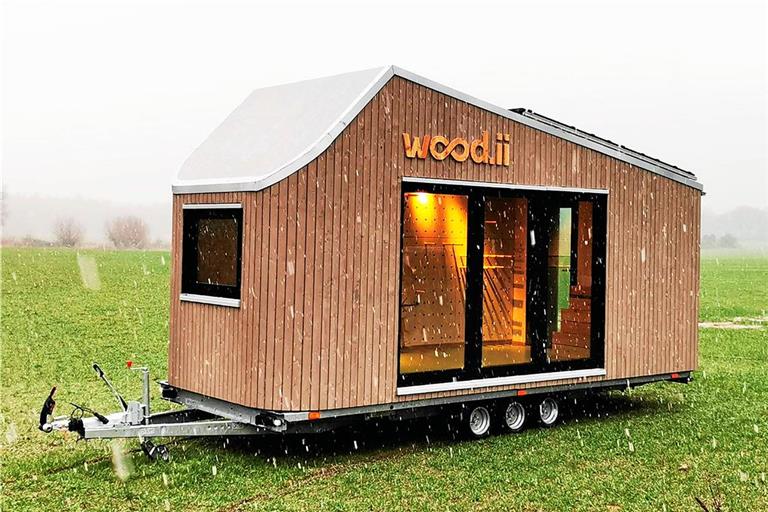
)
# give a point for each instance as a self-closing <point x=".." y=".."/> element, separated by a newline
<point x="217" y="251"/>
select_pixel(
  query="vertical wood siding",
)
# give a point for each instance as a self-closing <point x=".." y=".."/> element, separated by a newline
<point x="317" y="326"/>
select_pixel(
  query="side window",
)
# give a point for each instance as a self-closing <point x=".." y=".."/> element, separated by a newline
<point x="211" y="253"/>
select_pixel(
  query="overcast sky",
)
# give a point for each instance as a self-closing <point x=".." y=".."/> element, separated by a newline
<point x="106" y="99"/>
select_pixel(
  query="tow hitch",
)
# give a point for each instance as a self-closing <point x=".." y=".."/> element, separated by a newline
<point x="47" y="410"/>
<point x="134" y="420"/>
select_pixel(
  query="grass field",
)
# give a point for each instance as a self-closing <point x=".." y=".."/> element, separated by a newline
<point x="658" y="447"/>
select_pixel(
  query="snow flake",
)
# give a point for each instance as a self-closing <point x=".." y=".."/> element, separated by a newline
<point x="11" y="435"/>
<point x="122" y="465"/>
<point x="89" y="272"/>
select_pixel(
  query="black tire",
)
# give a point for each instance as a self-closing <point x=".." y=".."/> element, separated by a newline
<point x="163" y="453"/>
<point x="548" y="411"/>
<point x="512" y="416"/>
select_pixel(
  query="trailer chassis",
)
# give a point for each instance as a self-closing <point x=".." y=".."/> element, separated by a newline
<point x="203" y="416"/>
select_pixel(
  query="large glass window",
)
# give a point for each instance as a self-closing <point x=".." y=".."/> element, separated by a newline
<point x="434" y="265"/>
<point x="569" y="301"/>
<point x="504" y="288"/>
<point x="211" y="251"/>
<point x="500" y="282"/>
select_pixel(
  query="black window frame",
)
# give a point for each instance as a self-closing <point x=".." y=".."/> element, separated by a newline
<point x="190" y="223"/>
<point x="539" y="201"/>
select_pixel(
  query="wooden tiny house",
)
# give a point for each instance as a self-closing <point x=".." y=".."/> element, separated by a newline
<point x="376" y="238"/>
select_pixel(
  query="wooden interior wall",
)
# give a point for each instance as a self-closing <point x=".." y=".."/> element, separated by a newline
<point x="434" y="270"/>
<point x="318" y="322"/>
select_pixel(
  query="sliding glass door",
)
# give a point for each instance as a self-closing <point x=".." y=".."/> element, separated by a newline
<point x="498" y="282"/>
<point x="504" y="282"/>
<point x="569" y="300"/>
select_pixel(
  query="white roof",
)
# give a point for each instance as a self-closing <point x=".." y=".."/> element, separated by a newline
<point x="278" y="130"/>
<point x="274" y="129"/>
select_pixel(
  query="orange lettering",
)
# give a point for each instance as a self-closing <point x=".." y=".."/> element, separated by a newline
<point x="481" y="143"/>
<point x="440" y="147"/>
<point x="438" y="154"/>
<point x="416" y="148"/>
<point x="460" y="157"/>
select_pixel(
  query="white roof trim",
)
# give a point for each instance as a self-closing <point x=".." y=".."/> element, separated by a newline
<point x="334" y="130"/>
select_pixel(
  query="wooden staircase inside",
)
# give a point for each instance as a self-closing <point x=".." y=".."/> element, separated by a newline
<point x="575" y="321"/>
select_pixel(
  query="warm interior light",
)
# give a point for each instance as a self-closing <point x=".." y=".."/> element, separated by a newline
<point x="423" y="197"/>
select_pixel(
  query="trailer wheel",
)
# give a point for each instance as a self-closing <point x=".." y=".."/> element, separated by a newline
<point x="549" y="411"/>
<point x="155" y="451"/>
<point x="478" y="421"/>
<point x="514" y="416"/>
<point x="163" y="453"/>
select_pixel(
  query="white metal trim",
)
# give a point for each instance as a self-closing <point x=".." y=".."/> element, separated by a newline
<point x="208" y="299"/>
<point x="511" y="186"/>
<point x="211" y="206"/>
<point x="263" y="181"/>
<point x="499" y="381"/>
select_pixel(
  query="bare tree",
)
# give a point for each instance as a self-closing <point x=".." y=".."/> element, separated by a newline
<point x="728" y="241"/>
<point x="68" y="232"/>
<point x="128" y="232"/>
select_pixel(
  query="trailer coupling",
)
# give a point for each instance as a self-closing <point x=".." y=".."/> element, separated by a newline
<point x="75" y="422"/>
<point x="134" y="420"/>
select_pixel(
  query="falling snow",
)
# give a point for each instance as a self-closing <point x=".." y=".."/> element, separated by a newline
<point x="121" y="462"/>
<point x="89" y="272"/>
<point x="11" y="434"/>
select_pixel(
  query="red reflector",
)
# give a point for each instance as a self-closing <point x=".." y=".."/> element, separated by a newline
<point x="314" y="415"/>
<point x="675" y="375"/>
<point x="522" y="392"/>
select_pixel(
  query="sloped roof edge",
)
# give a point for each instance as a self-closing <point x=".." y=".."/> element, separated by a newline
<point x="322" y="143"/>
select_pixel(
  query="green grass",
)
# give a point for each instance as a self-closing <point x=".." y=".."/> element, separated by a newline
<point x="706" y="440"/>
<point x="734" y="286"/>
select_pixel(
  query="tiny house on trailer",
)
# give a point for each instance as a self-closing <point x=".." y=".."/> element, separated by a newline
<point x="375" y="243"/>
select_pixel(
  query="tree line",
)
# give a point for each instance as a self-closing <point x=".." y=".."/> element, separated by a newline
<point x="127" y="232"/>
